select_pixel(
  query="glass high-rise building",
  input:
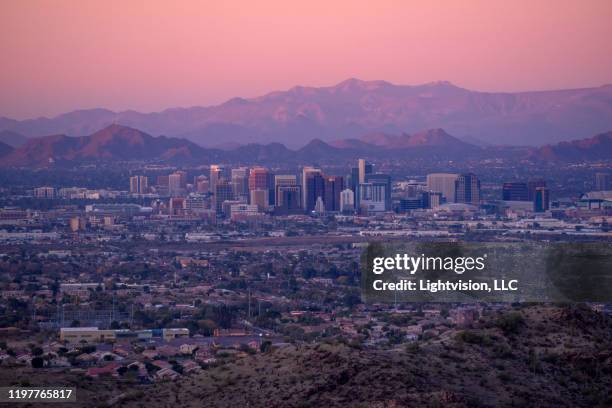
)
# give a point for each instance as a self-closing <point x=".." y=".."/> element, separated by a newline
<point x="309" y="197"/>
<point x="515" y="191"/>
<point x="384" y="180"/>
<point x="541" y="200"/>
<point x="467" y="189"/>
<point x="333" y="185"/>
<point x="223" y="192"/>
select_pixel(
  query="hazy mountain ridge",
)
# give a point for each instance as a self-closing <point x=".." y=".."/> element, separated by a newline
<point x="113" y="143"/>
<point x="354" y="108"/>
<point x="12" y="139"/>
<point x="117" y="143"/>
<point x="5" y="149"/>
<point x="431" y="137"/>
<point x="598" y="147"/>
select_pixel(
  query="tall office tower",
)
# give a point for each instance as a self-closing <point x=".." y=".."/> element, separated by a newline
<point x="532" y="185"/>
<point x="271" y="190"/>
<point x="467" y="189"/>
<point x="182" y="177"/>
<point x="283" y="180"/>
<point x="353" y="179"/>
<point x="347" y="200"/>
<point x="259" y="197"/>
<point x="515" y="191"/>
<point x="139" y="184"/>
<point x="603" y="182"/>
<point x="443" y="183"/>
<point x="307" y="172"/>
<point x="365" y="168"/>
<point x="381" y="179"/>
<point x="332" y="187"/>
<point x="288" y="199"/>
<point x="258" y="178"/>
<point x="240" y="182"/>
<point x="223" y="192"/>
<point x="217" y="172"/>
<point x="541" y="200"/>
<point x="174" y="184"/>
<point x="201" y="184"/>
<point x="372" y="198"/>
<point x="315" y="188"/>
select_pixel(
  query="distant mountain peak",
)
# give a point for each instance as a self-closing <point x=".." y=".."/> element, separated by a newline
<point x="448" y="84"/>
<point x="429" y="137"/>
<point x="355" y="84"/>
<point x="317" y="142"/>
<point x="433" y="137"/>
<point x="114" y="142"/>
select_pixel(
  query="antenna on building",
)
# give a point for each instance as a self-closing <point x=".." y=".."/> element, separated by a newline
<point x="34" y="309"/>
<point x="112" y="316"/>
<point x="249" y="299"/>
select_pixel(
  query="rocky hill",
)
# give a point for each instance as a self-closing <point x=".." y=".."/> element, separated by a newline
<point x="537" y="356"/>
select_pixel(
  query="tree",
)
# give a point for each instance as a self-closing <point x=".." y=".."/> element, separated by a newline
<point x="37" y="351"/>
<point x="38" y="362"/>
<point x="266" y="346"/>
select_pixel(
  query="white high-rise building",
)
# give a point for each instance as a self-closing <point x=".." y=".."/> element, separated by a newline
<point x="174" y="184"/>
<point x="347" y="200"/>
<point x="443" y="183"/>
<point x="217" y="172"/>
<point x="319" y="206"/>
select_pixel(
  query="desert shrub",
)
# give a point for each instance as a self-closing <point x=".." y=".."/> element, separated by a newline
<point x="510" y="323"/>
<point x="471" y="337"/>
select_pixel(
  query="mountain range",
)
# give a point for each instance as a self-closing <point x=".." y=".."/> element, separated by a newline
<point x="355" y="108"/>
<point x="117" y="143"/>
<point x="113" y="143"/>
<point x="12" y="139"/>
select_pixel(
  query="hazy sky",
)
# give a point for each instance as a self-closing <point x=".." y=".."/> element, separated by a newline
<point x="58" y="55"/>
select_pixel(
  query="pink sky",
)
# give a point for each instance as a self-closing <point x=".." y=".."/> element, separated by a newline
<point x="147" y="55"/>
